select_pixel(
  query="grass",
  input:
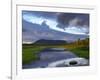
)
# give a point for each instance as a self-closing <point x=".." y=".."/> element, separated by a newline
<point x="30" y="53"/>
<point x="80" y="48"/>
<point x="81" y="52"/>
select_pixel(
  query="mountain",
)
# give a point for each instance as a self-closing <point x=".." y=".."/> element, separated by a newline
<point x="50" y="42"/>
<point x="33" y="32"/>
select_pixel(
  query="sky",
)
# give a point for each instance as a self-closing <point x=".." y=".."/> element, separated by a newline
<point x="72" y="23"/>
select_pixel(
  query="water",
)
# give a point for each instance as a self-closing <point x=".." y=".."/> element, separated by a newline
<point x="48" y="56"/>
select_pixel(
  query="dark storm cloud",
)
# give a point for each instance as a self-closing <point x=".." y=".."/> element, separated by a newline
<point x="65" y="19"/>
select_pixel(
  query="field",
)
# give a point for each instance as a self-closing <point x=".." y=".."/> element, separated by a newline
<point x="30" y="51"/>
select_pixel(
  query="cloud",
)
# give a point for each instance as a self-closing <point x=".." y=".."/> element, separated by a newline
<point x="77" y="30"/>
<point x="72" y="19"/>
<point x="50" y="15"/>
<point x="33" y="32"/>
<point x="52" y="25"/>
<point x="74" y="22"/>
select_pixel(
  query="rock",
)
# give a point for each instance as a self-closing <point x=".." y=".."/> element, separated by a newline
<point x="70" y="62"/>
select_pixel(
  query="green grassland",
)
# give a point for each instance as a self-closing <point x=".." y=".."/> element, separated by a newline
<point x="80" y="48"/>
<point x="30" y="51"/>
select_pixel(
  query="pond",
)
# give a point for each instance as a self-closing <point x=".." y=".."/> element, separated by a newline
<point x="48" y="56"/>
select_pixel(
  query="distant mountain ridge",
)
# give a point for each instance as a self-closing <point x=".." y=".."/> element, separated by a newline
<point x="50" y="42"/>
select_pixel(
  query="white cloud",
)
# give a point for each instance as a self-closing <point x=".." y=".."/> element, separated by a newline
<point x="77" y="30"/>
<point x="27" y="42"/>
<point x="33" y="19"/>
